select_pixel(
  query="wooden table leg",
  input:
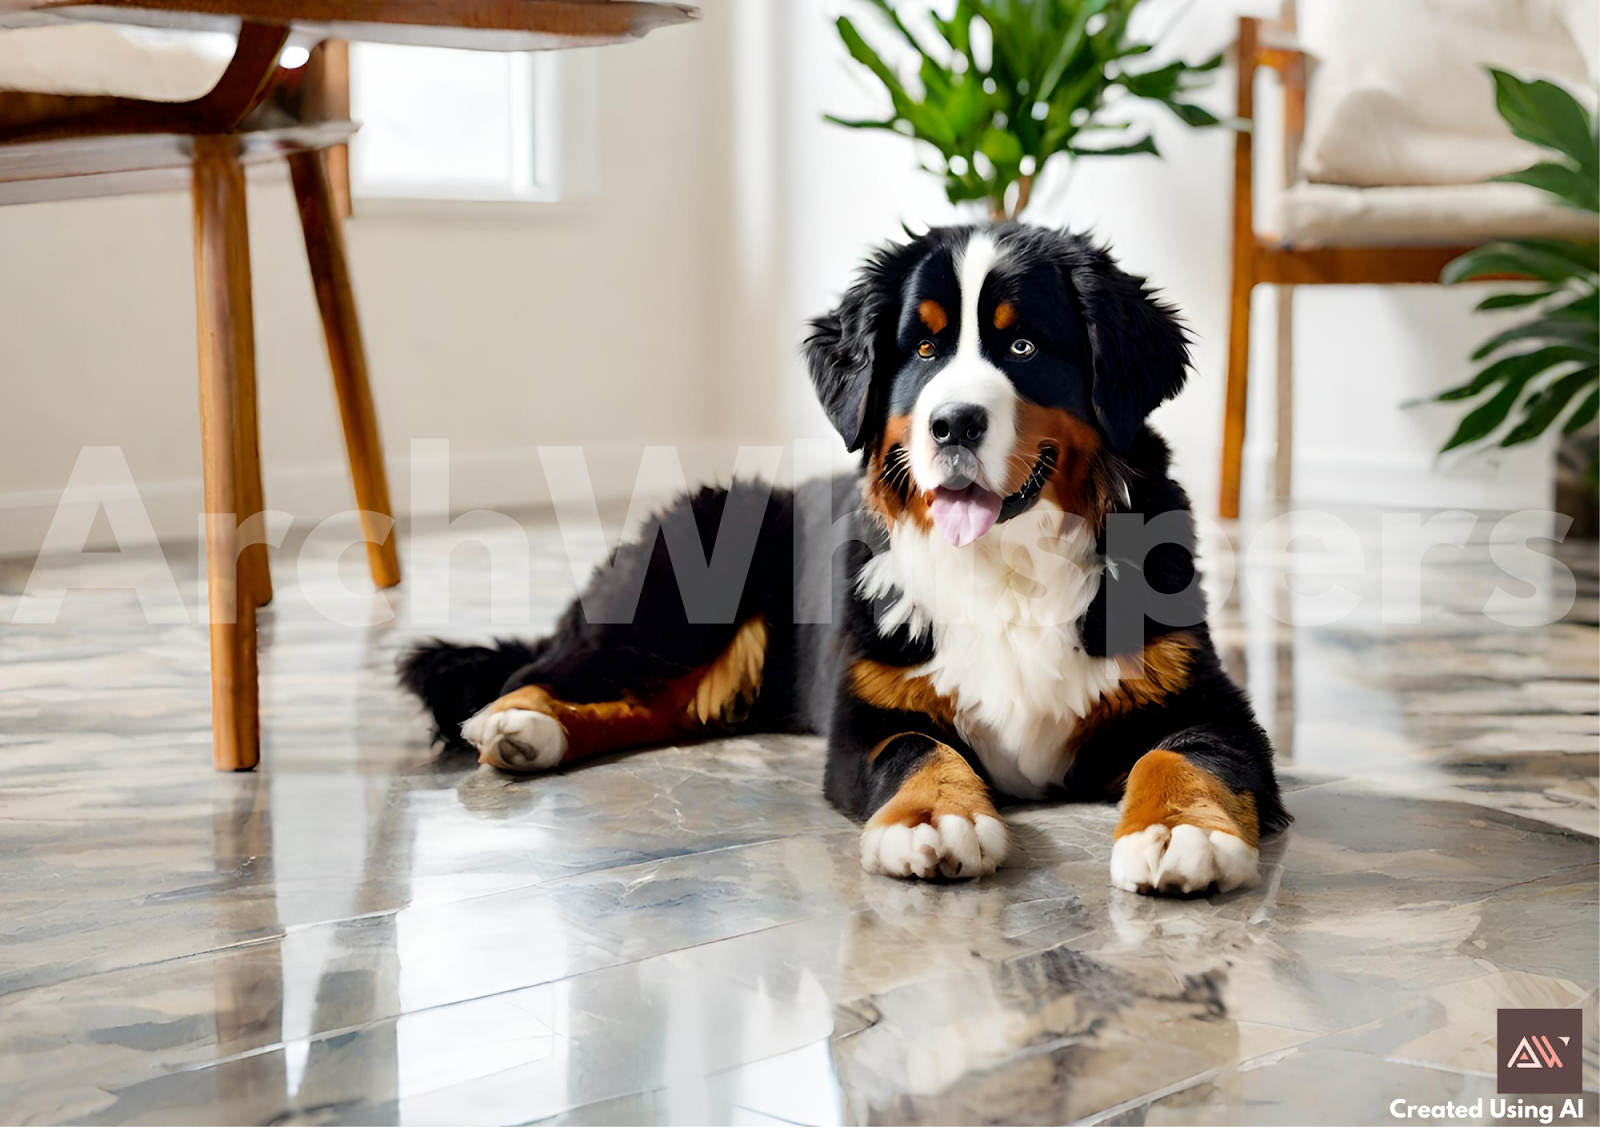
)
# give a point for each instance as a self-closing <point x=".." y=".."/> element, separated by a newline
<point x="254" y="563"/>
<point x="330" y="275"/>
<point x="227" y="384"/>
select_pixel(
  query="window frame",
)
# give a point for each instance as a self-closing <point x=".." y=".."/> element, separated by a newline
<point x="554" y="88"/>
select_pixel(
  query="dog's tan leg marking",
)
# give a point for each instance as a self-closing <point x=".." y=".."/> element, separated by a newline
<point x="939" y="823"/>
<point x="895" y="689"/>
<point x="529" y="729"/>
<point x="1183" y="830"/>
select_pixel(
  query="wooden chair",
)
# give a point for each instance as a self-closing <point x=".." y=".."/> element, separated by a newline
<point x="1290" y="259"/>
<point x="55" y="146"/>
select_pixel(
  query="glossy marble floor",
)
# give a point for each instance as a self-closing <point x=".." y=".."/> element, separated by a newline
<point x="364" y="933"/>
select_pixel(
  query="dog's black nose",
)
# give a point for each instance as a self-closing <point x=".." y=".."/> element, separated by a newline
<point x="962" y="424"/>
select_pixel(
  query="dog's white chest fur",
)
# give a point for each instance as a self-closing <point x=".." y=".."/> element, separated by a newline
<point x="1003" y="613"/>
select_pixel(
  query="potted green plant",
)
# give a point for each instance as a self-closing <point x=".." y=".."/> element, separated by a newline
<point x="1547" y="368"/>
<point x="1012" y="84"/>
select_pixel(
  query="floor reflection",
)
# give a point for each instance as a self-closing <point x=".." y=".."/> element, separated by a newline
<point x="364" y="933"/>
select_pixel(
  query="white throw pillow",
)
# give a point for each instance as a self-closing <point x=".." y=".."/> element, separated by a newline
<point x="1398" y="94"/>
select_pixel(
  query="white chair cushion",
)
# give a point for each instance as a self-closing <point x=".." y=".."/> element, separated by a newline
<point x="88" y="58"/>
<point x="1408" y="215"/>
<point x="1398" y="94"/>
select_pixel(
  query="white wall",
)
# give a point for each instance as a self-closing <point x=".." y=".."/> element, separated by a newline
<point x="667" y="305"/>
<point x="586" y="322"/>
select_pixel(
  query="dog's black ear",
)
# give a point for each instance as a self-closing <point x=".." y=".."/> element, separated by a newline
<point x="847" y="345"/>
<point x="1141" y="350"/>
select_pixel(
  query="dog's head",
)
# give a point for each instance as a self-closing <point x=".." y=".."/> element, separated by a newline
<point x="984" y="369"/>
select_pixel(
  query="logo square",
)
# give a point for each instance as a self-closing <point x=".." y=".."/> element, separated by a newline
<point x="1539" y="1051"/>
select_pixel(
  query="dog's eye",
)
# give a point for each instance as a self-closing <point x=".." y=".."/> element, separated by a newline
<point x="1023" y="348"/>
<point x="926" y="348"/>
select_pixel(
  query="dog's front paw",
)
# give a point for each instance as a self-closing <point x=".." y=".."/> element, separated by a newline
<point x="954" y="845"/>
<point x="1183" y="858"/>
<point x="1183" y="830"/>
<point x="516" y="740"/>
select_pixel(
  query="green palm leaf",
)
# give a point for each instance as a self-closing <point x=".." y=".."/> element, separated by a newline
<point x="1046" y="79"/>
<point x="1584" y="414"/>
<point x="1548" y="116"/>
<point x="1530" y="258"/>
<point x="1489" y="415"/>
<point x="1572" y="331"/>
<point x="1566" y="330"/>
<point x="1573" y="187"/>
<point x="1542" y="411"/>
<point x="1509" y="300"/>
<point x="1517" y="365"/>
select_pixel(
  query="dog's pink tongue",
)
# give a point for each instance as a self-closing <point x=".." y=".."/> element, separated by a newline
<point x="964" y="516"/>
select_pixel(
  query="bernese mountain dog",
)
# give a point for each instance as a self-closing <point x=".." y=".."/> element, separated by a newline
<point x="1001" y="603"/>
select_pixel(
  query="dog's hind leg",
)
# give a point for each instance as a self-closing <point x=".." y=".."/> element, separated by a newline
<point x="531" y="728"/>
<point x="642" y="657"/>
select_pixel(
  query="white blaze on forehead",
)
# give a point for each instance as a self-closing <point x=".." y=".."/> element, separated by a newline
<point x="969" y="378"/>
<point x="977" y="260"/>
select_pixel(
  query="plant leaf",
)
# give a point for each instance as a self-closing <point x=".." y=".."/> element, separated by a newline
<point x="1489" y="415"/>
<point x="861" y="124"/>
<point x="894" y="18"/>
<point x="1001" y="147"/>
<point x="1513" y="257"/>
<point x="1584" y="414"/>
<point x="1045" y="78"/>
<point x="1547" y="405"/>
<point x="1160" y="84"/>
<point x="1518" y="364"/>
<point x="1584" y="254"/>
<point x="1071" y="44"/>
<point x="1570" y="330"/>
<point x="1547" y="115"/>
<point x="861" y="51"/>
<point x="1573" y="187"/>
<point x="1146" y="144"/>
<point x="1584" y="308"/>
<point x="957" y="30"/>
<point x="923" y="118"/>
<point x="1512" y="299"/>
<point x="1193" y="115"/>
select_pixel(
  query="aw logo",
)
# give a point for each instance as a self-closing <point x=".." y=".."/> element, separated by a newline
<point x="1525" y="1057"/>
<point x="1540" y="1050"/>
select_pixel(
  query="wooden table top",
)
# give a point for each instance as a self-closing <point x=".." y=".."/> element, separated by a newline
<point x="496" y="25"/>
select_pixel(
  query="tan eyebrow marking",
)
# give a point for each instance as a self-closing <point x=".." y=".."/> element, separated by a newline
<point x="1004" y="315"/>
<point x="932" y="315"/>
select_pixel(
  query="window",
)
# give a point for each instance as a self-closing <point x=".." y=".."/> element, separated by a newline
<point x="443" y="124"/>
